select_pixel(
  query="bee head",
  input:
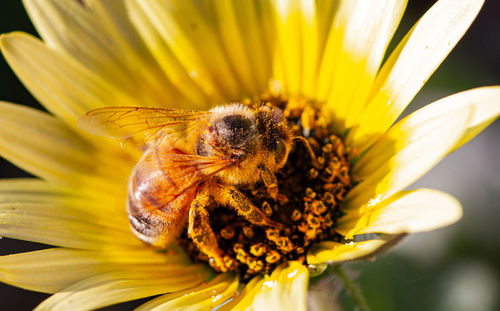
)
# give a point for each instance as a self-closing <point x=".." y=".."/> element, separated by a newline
<point x="274" y="134"/>
<point x="251" y="137"/>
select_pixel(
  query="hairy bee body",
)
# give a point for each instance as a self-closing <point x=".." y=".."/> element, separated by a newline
<point x="194" y="157"/>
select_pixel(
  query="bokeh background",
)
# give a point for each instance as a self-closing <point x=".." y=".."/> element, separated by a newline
<point x="455" y="268"/>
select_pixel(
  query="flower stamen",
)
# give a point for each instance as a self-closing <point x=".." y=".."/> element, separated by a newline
<point x="307" y="204"/>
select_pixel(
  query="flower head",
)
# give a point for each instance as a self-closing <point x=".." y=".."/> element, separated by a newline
<point x="320" y="62"/>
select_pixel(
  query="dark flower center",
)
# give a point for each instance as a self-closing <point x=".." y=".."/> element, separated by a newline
<point x="311" y="187"/>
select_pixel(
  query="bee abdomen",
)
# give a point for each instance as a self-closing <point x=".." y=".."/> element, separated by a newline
<point x="156" y="215"/>
<point x="148" y="226"/>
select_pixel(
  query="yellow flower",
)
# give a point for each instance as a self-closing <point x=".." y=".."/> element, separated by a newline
<point x="197" y="54"/>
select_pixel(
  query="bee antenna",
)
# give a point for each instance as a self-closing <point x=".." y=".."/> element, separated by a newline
<point x="308" y="147"/>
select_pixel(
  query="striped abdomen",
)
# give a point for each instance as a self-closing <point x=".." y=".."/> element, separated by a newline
<point x="157" y="204"/>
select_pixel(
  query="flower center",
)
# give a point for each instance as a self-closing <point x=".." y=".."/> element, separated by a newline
<point x="312" y="184"/>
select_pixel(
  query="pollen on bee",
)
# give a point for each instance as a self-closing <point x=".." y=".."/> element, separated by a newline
<point x="310" y="192"/>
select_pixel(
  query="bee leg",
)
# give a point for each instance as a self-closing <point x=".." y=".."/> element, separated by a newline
<point x="230" y="196"/>
<point x="201" y="233"/>
<point x="269" y="180"/>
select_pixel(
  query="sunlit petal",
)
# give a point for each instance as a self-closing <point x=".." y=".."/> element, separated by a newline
<point x="329" y="251"/>
<point x="53" y="224"/>
<point x="412" y="63"/>
<point x="203" y="297"/>
<point x="71" y="90"/>
<point x="244" y="299"/>
<point x="124" y="285"/>
<point x="191" y="39"/>
<point x="167" y="62"/>
<point x="297" y="50"/>
<point x="45" y="147"/>
<point x="99" y="36"/>
<point x="285" y="289"/>
<point x="52" y="270"/>
<point x="53" y="214"/>
<point x="403" y="154"/>
<point x="482" y="104"/>
<point x="62" y="198"/>
<point x="358" y="39"/>
<point x="406" y="211"/>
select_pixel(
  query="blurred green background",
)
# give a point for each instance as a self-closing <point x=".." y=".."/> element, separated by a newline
<point x="455" y="268"/>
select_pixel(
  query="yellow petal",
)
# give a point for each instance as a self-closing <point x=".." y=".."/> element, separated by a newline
<point x="233" y="42"/>
<point x="250" y="16"/>
<point x="100" y="37"/>
<point x="203" y="297"/>
<point x="403" y="154"/>
<point x="288" y="53"/>
<point x="62" y="85"/>
<point x="244" y="299"/>
<point x="406" y="211"/>
<point x="52" y="270"/>
<point x="57" y="225"/>
<point x="124" y="285"/>
<point x="191" y="38"/>
<point x="45" y="147"/>
<point x="166" y="60"/>
<point x="411" y="64"/>
<point x="145" y="82"/>
<point x="37" y="211"/>
<point x="484" y="103"/>
<point x="330" y="252"/>
<point x="285" y="289"/>
<point x="311" y="47"/>
<point x="299" y="45"/>
<point x="356" y="46"/>
<point x="70" y="27"/>
<point x="63" y="201"/>
<point x="31" y="190"/>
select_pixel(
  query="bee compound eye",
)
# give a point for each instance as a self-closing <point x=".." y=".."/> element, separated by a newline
<point x="280" y="152"/>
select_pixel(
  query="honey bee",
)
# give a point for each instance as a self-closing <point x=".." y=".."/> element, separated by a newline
<point x="191" y="159"/>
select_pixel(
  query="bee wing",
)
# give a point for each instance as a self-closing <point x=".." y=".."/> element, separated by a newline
<point x="179" y="173"/>
<point x="141" y="125"/>
<point x="192" y="169"/>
